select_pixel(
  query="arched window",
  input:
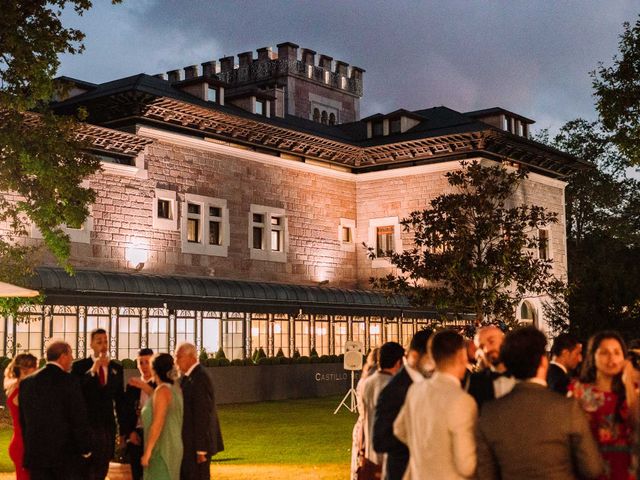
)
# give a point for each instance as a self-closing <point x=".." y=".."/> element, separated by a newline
<point x="332" y="119"/>
<point x="527" y="313"/>
<point x="323" y="118"/>
<point x="316" y="115"/>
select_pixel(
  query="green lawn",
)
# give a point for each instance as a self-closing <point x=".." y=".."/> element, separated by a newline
<point x="295" y="432"/>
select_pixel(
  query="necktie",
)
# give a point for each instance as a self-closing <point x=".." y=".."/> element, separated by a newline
<point x="102" y="377"/>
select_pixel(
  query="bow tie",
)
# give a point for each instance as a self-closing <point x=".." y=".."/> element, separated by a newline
<point x="495" y="375"/>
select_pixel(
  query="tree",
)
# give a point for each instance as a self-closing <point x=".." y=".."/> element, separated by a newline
<point x="603" y="237"/>
<point x="42" y="164"/>
<point x="474" y="251"/>
<point x="617" y="92"/>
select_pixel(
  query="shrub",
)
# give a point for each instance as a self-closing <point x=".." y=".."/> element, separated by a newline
<point x="264" y="361"/>
<point x="237" y="362"/>
<point x="285" y="360"/>
<point x="280" y="353"/>
<point x="129" y="364"/>
<point x="42" y="362"/>
<point x="303" y="360"/>
<point x="314" y="359"/>
<point x="248" y="362"/>
<point x="276" y="360"/>
<point x="203" y="356"/>
<point x="220" y="354"/>
<point x="223" y="362"/>
<point x="325" y="359"/>
<point x="296" y="354"/>
<point x="254" y="355"/>
<point x="314" y="353"/>
<point x="212" y="362"/>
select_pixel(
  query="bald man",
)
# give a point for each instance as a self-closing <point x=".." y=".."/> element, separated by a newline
<point x="493" y="381"/>
<point x="201" y="435"/>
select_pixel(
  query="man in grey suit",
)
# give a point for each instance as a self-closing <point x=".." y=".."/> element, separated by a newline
<point x="532" y="432"/>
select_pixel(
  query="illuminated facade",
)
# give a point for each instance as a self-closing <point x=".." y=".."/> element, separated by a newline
<point x="234" y="200"/>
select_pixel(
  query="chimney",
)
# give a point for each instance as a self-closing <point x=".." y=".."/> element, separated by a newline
<point x="308" y="56"/>
<point x="190" y="72"/>
<point x="226" y="64"/>
<point x="173" y="76"/>
<point x="264" y="54"/>
<point x="287" y="51"/>
<point x="160" y="76"/>
<point x="356" y="73"/>
<point x="325" y="62"/>
<point x="245" y="59"/>
<point x="341" y="68"/>
<point x="209" y="68"/>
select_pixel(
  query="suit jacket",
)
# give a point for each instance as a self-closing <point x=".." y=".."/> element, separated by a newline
<point x="131" y="407"/>
<point x="557" y="380"/>
<point x="437" y="422"/>
<point x="534" y="433"/>
<point x="388" y="406"/>
<point x="100" y="400"/>
<point x="481" y="387"/>
<point x="54" y="419"/>
<point x="200" y="426"/>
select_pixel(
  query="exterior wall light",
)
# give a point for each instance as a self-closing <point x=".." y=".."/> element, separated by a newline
<point x="136" y="255"/>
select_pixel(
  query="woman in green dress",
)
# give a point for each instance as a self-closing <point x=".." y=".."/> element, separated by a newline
<point x="162" y="422"/>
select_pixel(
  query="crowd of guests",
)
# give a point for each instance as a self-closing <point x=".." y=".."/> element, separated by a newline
<point x="69" y="415"/>
<point x="498" y="407"/>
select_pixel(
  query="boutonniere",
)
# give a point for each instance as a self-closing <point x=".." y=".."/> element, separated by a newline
<point x="114" y="371"/>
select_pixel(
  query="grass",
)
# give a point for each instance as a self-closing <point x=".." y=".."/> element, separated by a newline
<point x="272" y="440"/>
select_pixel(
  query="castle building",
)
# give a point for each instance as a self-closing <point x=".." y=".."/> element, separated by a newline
<point x="234" y="198"/>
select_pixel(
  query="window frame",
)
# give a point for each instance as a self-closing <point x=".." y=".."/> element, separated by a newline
<point x="347" y="245"/>
<point x="374" y="223"/>
<point x="267" y="253"/>
<point x="203" y="247"/>
<point x="549" y="254"/>
<point x="165" y="223"/>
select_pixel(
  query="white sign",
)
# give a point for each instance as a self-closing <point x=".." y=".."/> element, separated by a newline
<point x="353" y="355"/>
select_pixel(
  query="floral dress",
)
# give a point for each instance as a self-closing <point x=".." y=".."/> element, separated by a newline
<point x="614" y="435"/>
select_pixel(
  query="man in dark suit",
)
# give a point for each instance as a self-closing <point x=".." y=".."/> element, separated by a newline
<point x="552" y="439"/>
<point x="201" y="436"/>
<point x="137" y="392"/>
<point x="566" y="355"/>
<point x="102" y="383"/>
<point x="54" y="419"/>
<point x="493" y="381"/>
<point x="390" y="402"/>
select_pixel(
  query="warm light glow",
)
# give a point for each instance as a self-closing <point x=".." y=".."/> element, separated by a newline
<point x="277" y="328"/>
<point x="342" y="330"/>
<point x="321" y="331"/>
<point x="255" y="331"/>
<point x="374" y="330"/>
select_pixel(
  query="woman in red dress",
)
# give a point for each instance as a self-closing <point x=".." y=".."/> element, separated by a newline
<point x="607" y="393"/>
<point x="22" y="365"/>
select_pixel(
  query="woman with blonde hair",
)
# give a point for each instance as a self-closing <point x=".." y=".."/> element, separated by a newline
<point x="22" y="365"/>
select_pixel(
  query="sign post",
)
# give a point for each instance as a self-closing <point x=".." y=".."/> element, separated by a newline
<point x="353" y="362"/>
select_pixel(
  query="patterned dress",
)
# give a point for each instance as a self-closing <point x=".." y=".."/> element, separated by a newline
<point x="614" y="435"/>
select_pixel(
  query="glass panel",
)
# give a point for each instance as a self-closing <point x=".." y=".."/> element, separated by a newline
<point x="394" y="125"/>
<point x="340" y="336"/>
<point x="391" y="328"/>
<point x="322" y="337"/>
<point x="232" y="338"/>
<point x="543" y="249"/>
<point x="276" y="240"/>
<point x="359" y="332"/>
<point x="185" y="326"/>
<point x="215" y="212"/>
<point x="384" y="242"/>
<point x="29" y="335"/>
<point x="302" y="336"/>
<point x="257" y="238"/>
<point x="377" y="129"/>
<point x="259" y="336"/>
<point x="214" y="233"/>
<point x="212" y="94"/>
<point x="375" y="334"/>
<point x="259" y="108"/>
<point x="276" y="220"/>
<point x="258" y="218"/>
<point x="193" y="208"/>
<point x="281" y="336"/>
<point x="193" y="230"/>
<point x="128" y="333"/>
<point x="211" y="331"/>
<point x="158" y="330"/>
<point x="164" y="208"/>
<point x="407" y="333"/>
<point x="346" y="234"/>
<point x="97" y="317"/>
<point x="65" y="326"/>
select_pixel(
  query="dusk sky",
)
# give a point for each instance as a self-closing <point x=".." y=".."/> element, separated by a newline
<point x="531" y="57"/>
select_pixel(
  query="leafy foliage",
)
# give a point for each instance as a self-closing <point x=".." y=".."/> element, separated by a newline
<point x="473" y="249"/>
<point x="617" y="92"/>
<point x="42" y="165"/>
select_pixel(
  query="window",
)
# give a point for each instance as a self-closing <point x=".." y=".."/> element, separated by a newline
<point x="377" y="129"/>
<point x="346" y="234"/>
<point x="543" y="245"/>
<point x="528" y="313"/>
<point x="205" y="226"/>
<point x="316" y="115"/>
<point x="384" y="240"/>
<point x="212" y="94"/>
<point x="323" y="117"/>
<point x="267" y="233"/>
<point x="395" y="126"/>
<point x="384" y="236"/>
<point x="164" y="210"/>
<point x="332" y="119"/>
<point x="261" y="107"/>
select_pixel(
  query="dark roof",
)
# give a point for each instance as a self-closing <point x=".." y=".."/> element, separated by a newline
<point x="76" y="82"/>
<point x="497" y="111"/>
<point x="101" y="288"/>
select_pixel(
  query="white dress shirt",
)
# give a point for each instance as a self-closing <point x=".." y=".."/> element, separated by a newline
<point x="437" y="422"/>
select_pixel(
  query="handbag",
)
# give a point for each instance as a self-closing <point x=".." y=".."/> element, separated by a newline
<point x="368" y="470"/>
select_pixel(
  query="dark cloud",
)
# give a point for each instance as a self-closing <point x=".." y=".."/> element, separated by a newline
<point x="530" y="57"/>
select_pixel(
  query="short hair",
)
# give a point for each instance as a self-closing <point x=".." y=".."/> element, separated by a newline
<point x="163" y="367"/>
<point x="145" y="352"/>
<point x="420" y="340"/>
<point x="522" y="350"/>
<point x="188" y="349"/>
<point x="564" y="341"/>
<point x="390" y="353"/>
<point x="445" y="345"/>
<point x="97" y="331"/>
<point x="56" y="349"/>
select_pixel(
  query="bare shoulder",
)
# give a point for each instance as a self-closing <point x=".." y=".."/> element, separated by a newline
<point x="163" y="393"/>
